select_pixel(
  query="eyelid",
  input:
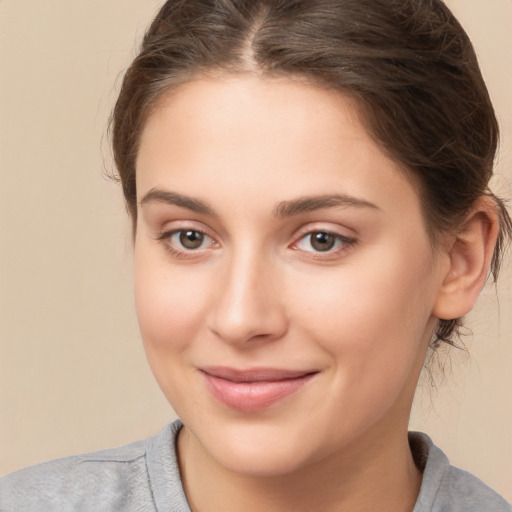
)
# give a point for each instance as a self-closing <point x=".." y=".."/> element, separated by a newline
<point x="164" y="236"/>
<point x="183" y="225"/>
<point x="326" y="227"/>
<point x="348" y="241"/>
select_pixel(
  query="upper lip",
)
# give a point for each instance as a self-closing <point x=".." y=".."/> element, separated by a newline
<point x="254" y="374"/>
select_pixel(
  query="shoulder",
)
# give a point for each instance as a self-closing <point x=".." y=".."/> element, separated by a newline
<point x="472" y="491"/>
<point x="446" y="487"/>
<point x="107" y="480"/>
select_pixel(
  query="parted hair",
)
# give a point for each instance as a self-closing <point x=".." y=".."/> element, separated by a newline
<point x="408" y="63"/>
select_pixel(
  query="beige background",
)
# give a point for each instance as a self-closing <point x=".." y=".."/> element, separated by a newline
<point x="73" y="376"/>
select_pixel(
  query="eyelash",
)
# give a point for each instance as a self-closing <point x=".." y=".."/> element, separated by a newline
<point x="166" y="239"/>
<point x="344" y="242"/>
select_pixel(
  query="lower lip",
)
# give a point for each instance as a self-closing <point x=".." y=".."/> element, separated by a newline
<point x="253" y="396"/>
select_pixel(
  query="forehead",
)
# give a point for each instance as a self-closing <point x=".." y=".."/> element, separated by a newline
<point x="264" y="138"/>
<point x="229" y="110"/>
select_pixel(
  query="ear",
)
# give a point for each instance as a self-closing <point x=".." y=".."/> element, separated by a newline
<point x="469" y="254"/>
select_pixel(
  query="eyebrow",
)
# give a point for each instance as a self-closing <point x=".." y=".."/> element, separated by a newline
<point x="283" y="209"/>
<point x="311" y="203"/>
<point x="156" y="195"/>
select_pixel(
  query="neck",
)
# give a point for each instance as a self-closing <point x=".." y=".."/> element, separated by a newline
<point x="376" y="473"/>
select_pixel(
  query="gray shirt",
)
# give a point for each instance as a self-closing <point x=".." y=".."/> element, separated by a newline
<point x="144" y="477"/>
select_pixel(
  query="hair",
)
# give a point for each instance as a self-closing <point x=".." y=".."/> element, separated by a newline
<point x="409" y="64"/>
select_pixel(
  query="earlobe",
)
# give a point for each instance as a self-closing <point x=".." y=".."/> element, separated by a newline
<point x="470" y="256"/>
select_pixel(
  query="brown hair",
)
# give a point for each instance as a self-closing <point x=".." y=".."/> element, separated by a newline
<point x="408" y="62"/>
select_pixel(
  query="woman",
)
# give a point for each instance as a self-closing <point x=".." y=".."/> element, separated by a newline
<point x="308" y="184"/>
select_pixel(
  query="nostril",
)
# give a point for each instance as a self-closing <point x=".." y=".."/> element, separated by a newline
<point x="246" y="307"/>
<point x="262" y="327"/>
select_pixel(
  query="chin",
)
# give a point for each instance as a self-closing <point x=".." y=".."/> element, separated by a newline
<point x="258" y="461"/>
<point x="256" y="448"/>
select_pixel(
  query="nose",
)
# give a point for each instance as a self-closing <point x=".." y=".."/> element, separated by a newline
<point x="248" y="306"/>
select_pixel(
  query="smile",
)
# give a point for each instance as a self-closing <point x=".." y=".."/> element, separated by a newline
<point x="253" y="390"/>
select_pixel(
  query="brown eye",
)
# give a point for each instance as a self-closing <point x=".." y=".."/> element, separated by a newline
<point x="322" y="242"/>
<point x="191" y="239"/>
<point x="318" y="242"/>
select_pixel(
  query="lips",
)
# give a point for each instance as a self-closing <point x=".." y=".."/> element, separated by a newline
<point x="254" y="389"/>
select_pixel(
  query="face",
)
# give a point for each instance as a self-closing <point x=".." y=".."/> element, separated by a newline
<point x="284" y="278"/>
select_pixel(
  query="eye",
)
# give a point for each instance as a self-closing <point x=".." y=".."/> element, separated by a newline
<point x="323" y="241"/>
<point x="189" y="239"/>
<point x="181" y="242"/>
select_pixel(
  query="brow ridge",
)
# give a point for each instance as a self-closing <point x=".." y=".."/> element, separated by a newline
<point x="308" y="204"/>
<point x="283" y="209"/>
<point x="173" y="198"/>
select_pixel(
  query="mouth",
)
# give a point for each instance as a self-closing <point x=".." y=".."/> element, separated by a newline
<point x="253" y="389"/>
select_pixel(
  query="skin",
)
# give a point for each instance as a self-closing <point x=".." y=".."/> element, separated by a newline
<point x="234" y="153"/>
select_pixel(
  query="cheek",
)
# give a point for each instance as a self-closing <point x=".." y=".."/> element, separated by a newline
<point x="168" y="304"/>
<point x="374" y="324"/>
<point x="377" y="309"/>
